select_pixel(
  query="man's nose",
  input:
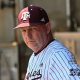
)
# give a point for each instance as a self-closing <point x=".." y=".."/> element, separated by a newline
<point x="29" y="35"/>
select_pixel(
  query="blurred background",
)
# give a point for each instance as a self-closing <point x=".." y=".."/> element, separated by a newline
<point x="14" y="54"/>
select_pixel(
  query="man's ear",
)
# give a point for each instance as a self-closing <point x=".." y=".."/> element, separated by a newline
<point x="48" y="27"/>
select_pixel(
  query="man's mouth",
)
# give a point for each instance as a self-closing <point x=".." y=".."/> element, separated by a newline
<point x="30" y="41"/>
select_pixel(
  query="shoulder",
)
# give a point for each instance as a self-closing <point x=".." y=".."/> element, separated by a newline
<point x="59" y="53"/>
<point x="56" y="47"/>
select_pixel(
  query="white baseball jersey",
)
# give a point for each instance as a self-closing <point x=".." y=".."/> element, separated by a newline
<point x="55" y="62"/>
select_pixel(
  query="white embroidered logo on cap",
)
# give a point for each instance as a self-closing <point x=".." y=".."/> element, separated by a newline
<point x="43" y="20"/>
<point x="25" y="15"/>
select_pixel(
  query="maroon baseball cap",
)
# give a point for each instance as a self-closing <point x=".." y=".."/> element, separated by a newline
<point x="32" y="15"/>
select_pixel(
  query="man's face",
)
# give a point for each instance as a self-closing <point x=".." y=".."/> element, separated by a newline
<point x="35" y="37"/>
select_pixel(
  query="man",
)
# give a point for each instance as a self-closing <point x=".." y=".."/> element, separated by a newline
<point x="50" y="60"/>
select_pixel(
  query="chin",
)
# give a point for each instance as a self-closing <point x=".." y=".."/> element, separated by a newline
<point x="35" y="49"/>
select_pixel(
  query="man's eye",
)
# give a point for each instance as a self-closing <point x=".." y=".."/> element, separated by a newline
<point x="24" y="30"/>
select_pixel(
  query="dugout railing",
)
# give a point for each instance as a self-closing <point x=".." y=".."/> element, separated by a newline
<point x="72" y="41"/>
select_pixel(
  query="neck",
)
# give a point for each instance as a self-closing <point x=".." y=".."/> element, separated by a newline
<point x="44" y="46"/>
<point x="49" y="40"/>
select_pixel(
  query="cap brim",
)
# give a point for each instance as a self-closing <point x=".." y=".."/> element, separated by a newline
<point x="22" y="25"/>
